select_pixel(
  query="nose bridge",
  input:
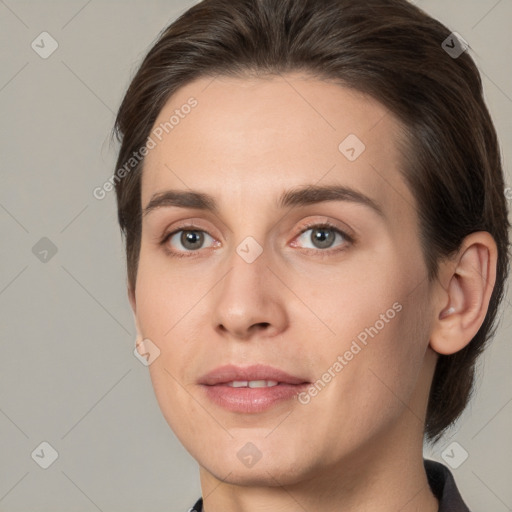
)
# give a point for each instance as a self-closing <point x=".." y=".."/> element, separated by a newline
<point x="249" y="232"/>
<point x="249" y="273"/>
<point x="246" y="295"/>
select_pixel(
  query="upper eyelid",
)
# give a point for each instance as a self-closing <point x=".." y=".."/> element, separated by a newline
<point x="313" y="224"/>
<point x="324" y="224"/>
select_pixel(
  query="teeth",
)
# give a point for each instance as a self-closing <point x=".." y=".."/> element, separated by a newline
<point x="261" y="383"/>
<point x="238" y="384"/>
<point x="252" y="383"/>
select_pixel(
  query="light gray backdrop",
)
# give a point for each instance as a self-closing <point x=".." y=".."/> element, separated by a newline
<point x="68" y="376"/>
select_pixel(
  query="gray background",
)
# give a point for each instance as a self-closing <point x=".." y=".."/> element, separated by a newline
<point x="68" y="375"/>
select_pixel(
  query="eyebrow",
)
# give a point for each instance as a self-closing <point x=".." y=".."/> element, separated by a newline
<point x="300" y="196"/>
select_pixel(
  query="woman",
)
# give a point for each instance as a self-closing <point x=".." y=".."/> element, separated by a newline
<point x="317" y="242"/>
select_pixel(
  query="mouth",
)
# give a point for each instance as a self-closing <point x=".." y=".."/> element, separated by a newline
<point x="243" y="376"/>
<point x="251" y="389"/>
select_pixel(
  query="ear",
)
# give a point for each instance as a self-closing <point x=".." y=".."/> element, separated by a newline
<point x="462" y="303"/>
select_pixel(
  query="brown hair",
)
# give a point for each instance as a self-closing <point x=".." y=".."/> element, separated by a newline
<point x="388" y="49"/>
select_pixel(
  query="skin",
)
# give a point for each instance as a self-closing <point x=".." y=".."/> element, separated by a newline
<point x="358" y="442"/>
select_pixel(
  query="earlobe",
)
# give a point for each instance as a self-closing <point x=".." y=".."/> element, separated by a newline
<point x="465" y="301"/>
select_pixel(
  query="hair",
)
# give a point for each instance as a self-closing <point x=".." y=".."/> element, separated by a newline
<point x="388" y="49"/>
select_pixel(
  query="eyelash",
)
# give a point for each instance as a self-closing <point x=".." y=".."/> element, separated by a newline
<point x="322" y="253"/>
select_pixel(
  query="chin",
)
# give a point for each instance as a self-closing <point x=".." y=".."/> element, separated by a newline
<point x="260" y="475"/>
<point x="273" y="466"/>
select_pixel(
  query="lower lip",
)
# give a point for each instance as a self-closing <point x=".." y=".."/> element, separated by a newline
<point x="251" y="400"/>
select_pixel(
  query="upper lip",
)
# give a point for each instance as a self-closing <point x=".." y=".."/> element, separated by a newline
<point x="229" y="373"/>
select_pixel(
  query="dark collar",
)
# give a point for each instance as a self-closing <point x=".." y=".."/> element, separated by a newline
<point x="444" y="488"/>
<point x="440" y="480"/>
<point x="198" y="507"/>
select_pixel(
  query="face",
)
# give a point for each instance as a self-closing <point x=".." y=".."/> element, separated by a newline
<point x="270" y="280"/>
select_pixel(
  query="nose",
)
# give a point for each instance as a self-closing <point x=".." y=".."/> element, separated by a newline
<point x="250" y="300"/>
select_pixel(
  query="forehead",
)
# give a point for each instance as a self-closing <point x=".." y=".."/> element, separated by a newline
<point x="247" y="140"/>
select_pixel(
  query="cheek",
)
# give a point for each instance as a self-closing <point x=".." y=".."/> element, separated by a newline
<point x="164" y="315"/>
<point x="393" y="358"/>
<point x="377" y="326"/>
<point x="374" y="387"/>
<point x="163" y="296"/>
<point x="352" y="296"/>
<point x="184" y="415"/>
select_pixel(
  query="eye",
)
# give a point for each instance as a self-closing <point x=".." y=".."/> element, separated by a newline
<point x="190" y="239"/>
<point x="323" y="236"/>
